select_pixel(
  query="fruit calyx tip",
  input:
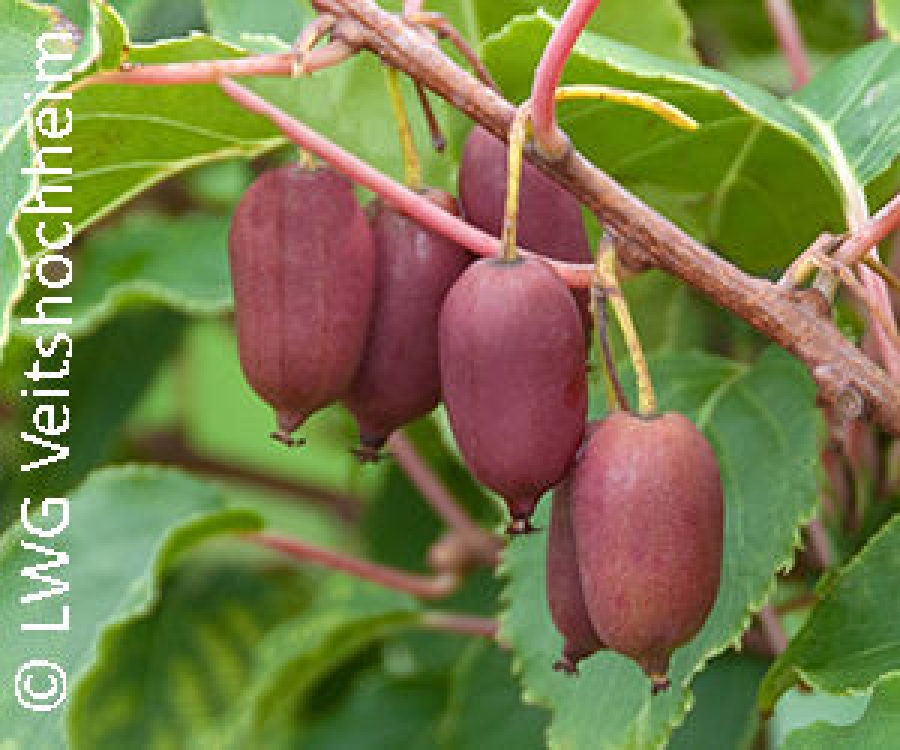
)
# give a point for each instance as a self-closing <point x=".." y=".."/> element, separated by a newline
<point x="659" y="683"/>
<point x="566" y="665"/>
<point x="520" y="526"/>
<point x="285" y="438"/>
<point x="367" y="454"/>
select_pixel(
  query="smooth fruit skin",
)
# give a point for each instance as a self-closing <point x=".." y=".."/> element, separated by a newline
<point x="399" y="378"/>
<point x="513" y="374"/>
<point x="648" y="516"/>
<point x="565" y="597"/>
<point x="549" y="221"/>
<point x="302" y="269"/>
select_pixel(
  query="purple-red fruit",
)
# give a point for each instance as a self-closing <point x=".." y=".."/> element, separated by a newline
<point x="549" y="221"/>
<point x="648" y="516"/>
<point x="564" y="593"/>
<point x="301" y="259"/>
<point x="399" y="378"/>
<point x="512" y="355"/>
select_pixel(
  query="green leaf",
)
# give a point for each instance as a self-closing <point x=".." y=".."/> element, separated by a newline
<point x="381" y="713"/>
<point x="852" y="637"/>
<point x="668" y="313"/>
<point x="761" y="421"/>
<point x="133" y="346"/>
<point x="22" y="60"/>
<point x="752" y="157"/>
<point x="253" y="25"/>
<point x="724" y="715"/>
<point x="854" y="107"/>
<point x="485" y="710"/>
<point x="128" y="138"/>
<point x="180" y="263"/>
<point x="657" y="26"/>
<point x="346" y="618"/>
<point x="126" y="528"/>
<point x="114" y="40"/>
<point x="204" y="630"/>
<point x="878" y="728"/>
<point x="889" y="16"/>
<point x="10" y="283"/>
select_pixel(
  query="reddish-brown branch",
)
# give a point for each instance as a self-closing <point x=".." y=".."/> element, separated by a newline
<point x="421" y="587"/>
<point x="550" y="141"/>
<point x="170" y="447"/>
<point x="790" y="39"/>
<point x="841" y="371"/>
<point x="483" y="545"/>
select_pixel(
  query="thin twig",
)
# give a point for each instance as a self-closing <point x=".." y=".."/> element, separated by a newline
<point x="170" y="447"/>
<point x="790" y="39"/>
<point x="615" y="393"/>
<point x="412" y="169"/>
<point x="818" y="546"/>
<point x="463" y="624"/>
<point x="421" y="587"/>
<point x="772" y="629"/>
<point x="482" y="544"/>
<point x="438" y="141"/>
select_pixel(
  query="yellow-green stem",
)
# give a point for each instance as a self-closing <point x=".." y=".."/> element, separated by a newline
<point x="605" y="270"/>
<point x="412" y="169"/>
<point x="307" y="159"/>
<point x="637" y="99"/>
<point x="518" y="134"/>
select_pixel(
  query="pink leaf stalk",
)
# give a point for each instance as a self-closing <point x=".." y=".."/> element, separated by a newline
<point x="408" y="201"/>
<point x="550" y="141"/>
<point x="787" y="31"/>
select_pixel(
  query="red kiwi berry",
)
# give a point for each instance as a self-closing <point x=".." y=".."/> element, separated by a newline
<point x="549" y="220"/>
<point x="301" y="259"/>
<point x="512" y="353"/>
<point x="648" y="517"/>
<point x="399" y="378"/>
<point x="564" y="593"/>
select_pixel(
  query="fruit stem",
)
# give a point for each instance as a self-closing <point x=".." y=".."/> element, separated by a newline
<point x="518" y="134"/>
<point x="306" y="159"/>
<point x="412" y="169"/>
<point x="550" y="141"/>
<point x="605" y="278"/>
<point x="615" y="394"/>
<point x="659" y="107"/>
<point x="883" y="271"/>
<point x="416" y="206"/>
<point x="421" y="587"/>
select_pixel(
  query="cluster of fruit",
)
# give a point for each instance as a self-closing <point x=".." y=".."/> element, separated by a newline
<point x="388" y="318"/>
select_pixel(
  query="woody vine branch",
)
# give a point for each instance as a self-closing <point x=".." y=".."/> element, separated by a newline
<point x="847" y="379"/>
